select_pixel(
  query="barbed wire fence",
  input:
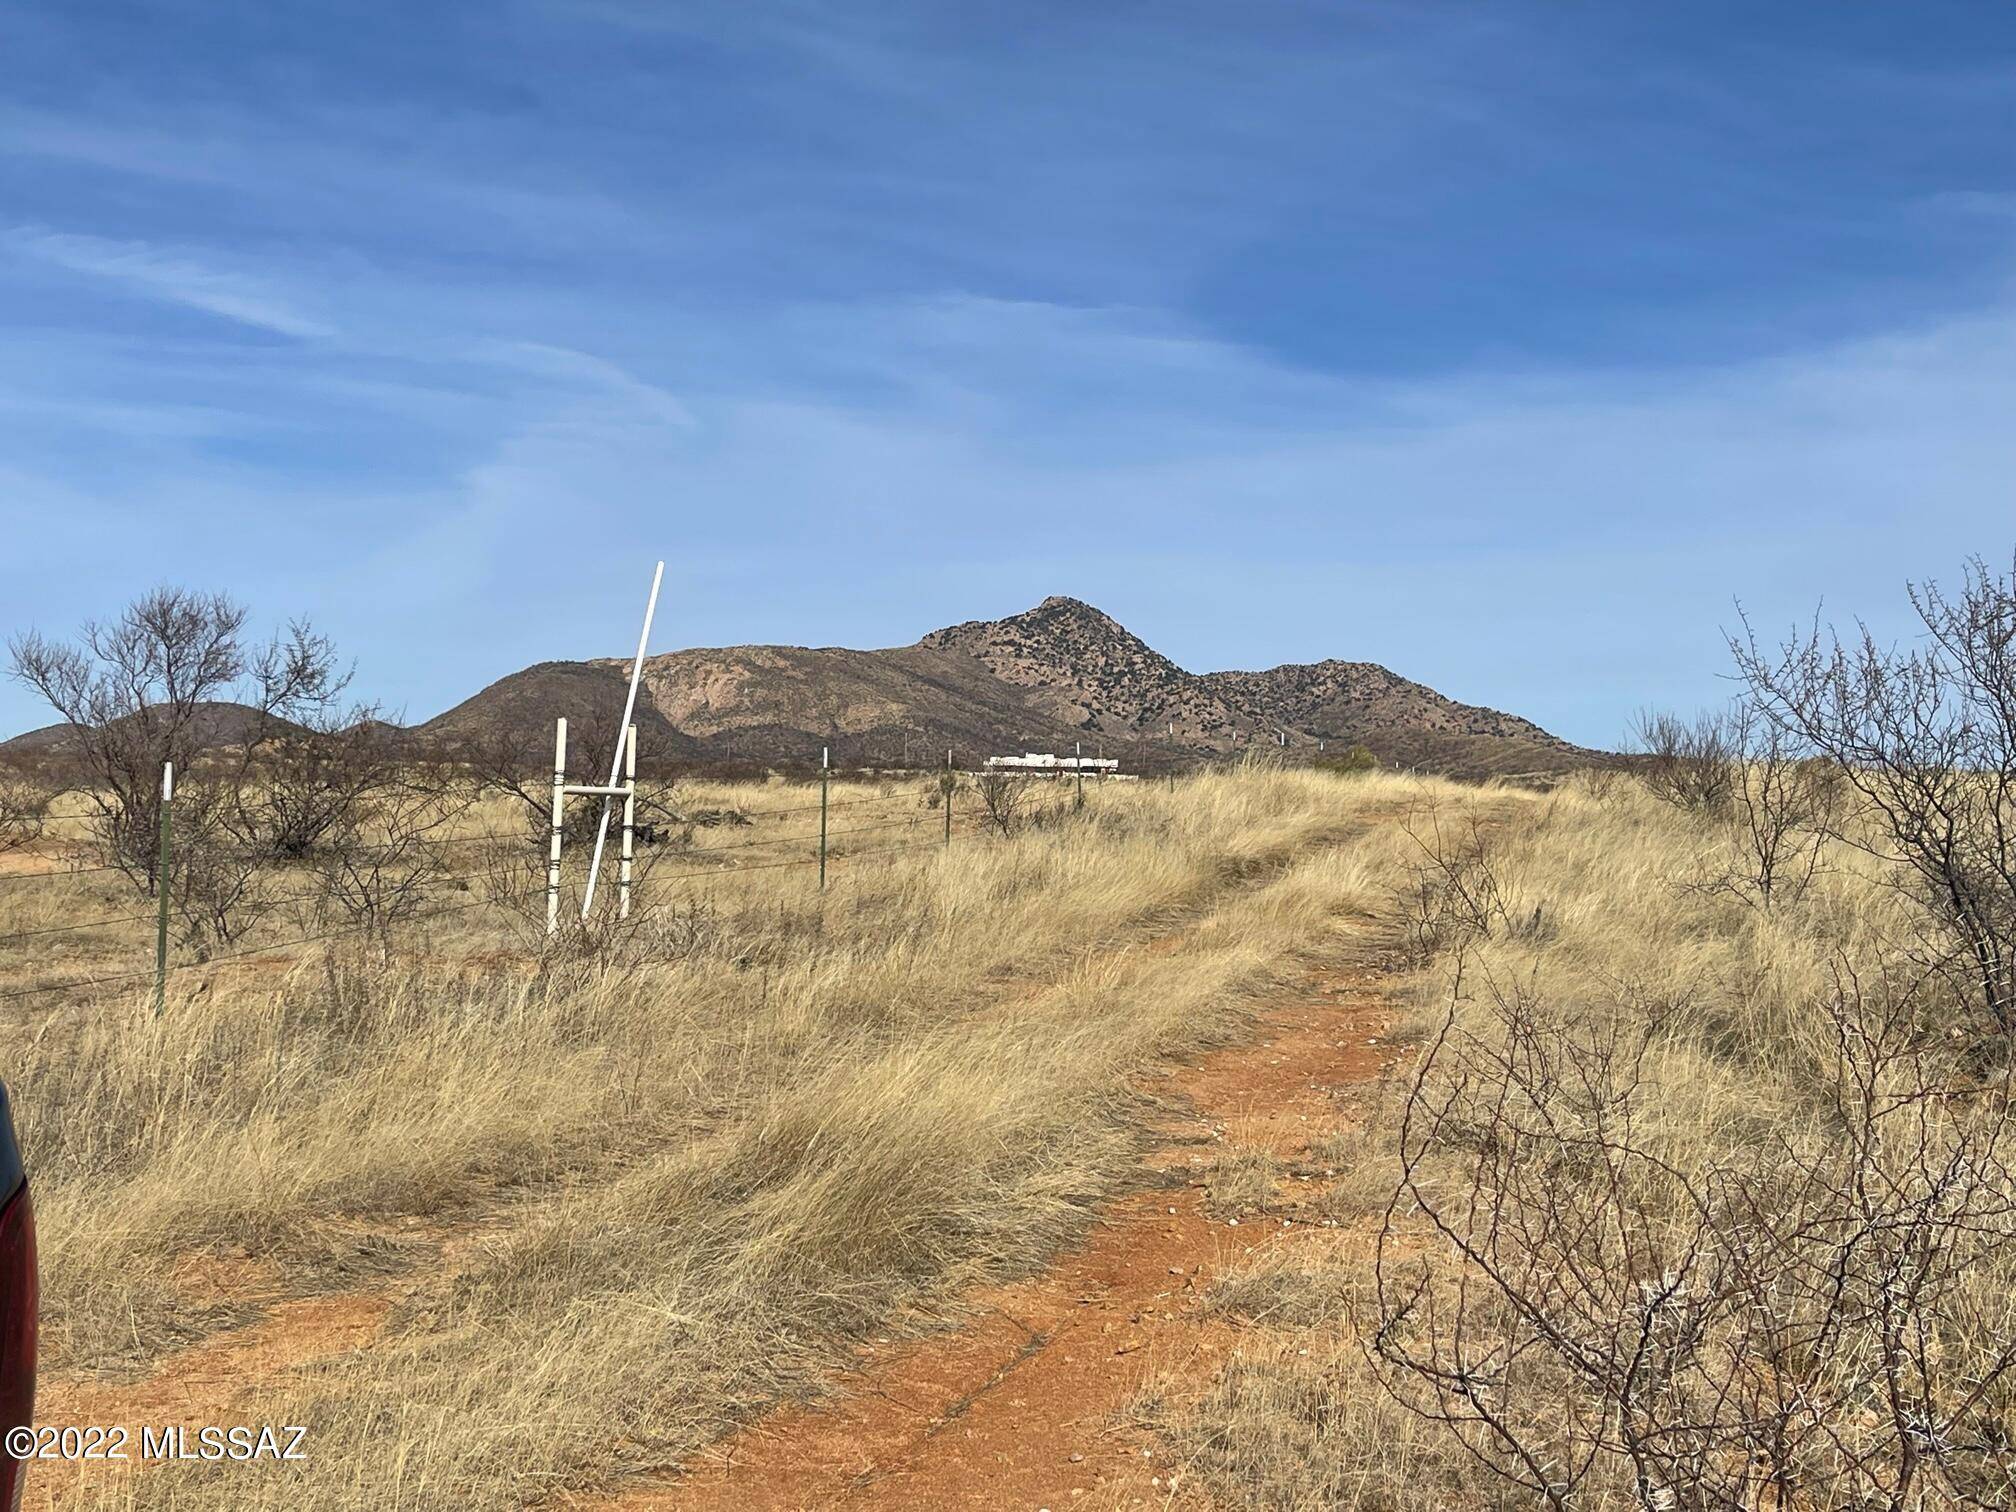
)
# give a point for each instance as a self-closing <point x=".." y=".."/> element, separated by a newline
<point x="937" y="799"/>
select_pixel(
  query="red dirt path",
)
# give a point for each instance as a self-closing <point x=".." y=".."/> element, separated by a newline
<point x="1020" y="1409"/>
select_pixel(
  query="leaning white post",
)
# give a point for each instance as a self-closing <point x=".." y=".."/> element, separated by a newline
<point x="553" y="843"/>
<point x="629" y="820"/>
<point x="616" y="760"/>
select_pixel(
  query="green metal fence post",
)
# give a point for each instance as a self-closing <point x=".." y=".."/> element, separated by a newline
<point x="161" y="893"/>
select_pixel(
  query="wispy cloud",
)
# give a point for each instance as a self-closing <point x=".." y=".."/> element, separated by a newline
<point x="165" y="274"/>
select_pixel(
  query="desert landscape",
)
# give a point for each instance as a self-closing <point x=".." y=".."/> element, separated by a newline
<point x="1286" y="1131"/>
<point x="865" y="754"/>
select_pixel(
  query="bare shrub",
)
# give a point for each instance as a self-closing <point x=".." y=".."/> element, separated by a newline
<point x="1740" y="767"/>
<point x="514" y="883"/>
<point x="1785" y="806"/>
<point x="1003" y="799"/>
<point x="150" y="687"/>
<point x="381" y="859"/>
<point x="1816" y="1322"/>
<point x="1453" y="895"/>
<point x="317" y="779"/>
<point x="1926" y="737"/>
<point x="1690" y="763"/>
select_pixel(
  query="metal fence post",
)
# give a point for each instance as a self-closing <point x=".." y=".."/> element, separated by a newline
<point x="948" y="795"/>
<point x="161" y="882"/>
<point x="825" y="763"/>
<point x="553" y="842"/>
<point x="629" y="821"/>
<point x="1078" y="752"/>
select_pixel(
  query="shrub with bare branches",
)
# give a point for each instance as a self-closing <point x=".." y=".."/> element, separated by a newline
<point x="1453" y="894"/>
<point x="173" y="679"/>
<point x="1818" y="1323"/>
<point x="382" y="859"/>
<point x="1784" y="806"/>
<point x="1003" y="798"/>
<point x="1926" y="738"/>
<point x="1690" y="763"/>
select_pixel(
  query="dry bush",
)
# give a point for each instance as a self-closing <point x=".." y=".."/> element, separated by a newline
<point x="1665" y="1079"/>
<point x="1452" y="895"/>
<point x="379" y="861"/>
<point x="1784" y="807"/>
<point x="1926" y="738"/>
<point x="1003" y="798"/>
<point x="1817" y="1319"/>
<point x="1742" y="771"/>
<point x="144" y="690"/>
<point x="1689" y="763"/>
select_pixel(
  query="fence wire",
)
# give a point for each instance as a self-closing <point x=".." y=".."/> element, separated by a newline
<point x="966" y="826"/>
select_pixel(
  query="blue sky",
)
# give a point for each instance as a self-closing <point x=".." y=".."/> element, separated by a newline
<point x="1506" y="344"/>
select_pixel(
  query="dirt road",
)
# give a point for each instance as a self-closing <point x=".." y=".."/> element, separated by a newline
<point x="1022" y="1408"/>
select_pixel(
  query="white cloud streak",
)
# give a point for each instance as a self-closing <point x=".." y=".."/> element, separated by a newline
<point x="166" y="275"/>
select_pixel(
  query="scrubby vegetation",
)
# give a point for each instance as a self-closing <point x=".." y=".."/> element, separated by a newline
<point x="1697" y="1193"/>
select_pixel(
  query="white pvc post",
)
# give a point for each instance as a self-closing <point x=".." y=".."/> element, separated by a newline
<point x="553" y="842"/>
<point x="629" y="819"/>
<point x="616" y="760"/>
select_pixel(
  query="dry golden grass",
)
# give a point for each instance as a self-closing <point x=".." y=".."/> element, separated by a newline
<point x="674" y="1179"/>
<point x="1608" y="912"/>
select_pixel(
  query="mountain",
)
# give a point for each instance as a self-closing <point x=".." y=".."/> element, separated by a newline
<point x="513" y="717"/>
<point x="1361" y="701"/>
<point x="1087" y="671"/>
<point x="1047" y="679"/>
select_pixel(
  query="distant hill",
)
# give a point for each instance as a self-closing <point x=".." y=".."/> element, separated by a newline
<point x="216" y="724"/>
<point x="1056" y="675"/>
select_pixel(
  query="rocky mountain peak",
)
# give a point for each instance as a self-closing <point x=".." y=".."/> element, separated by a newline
<point x="1084" y="667"/>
